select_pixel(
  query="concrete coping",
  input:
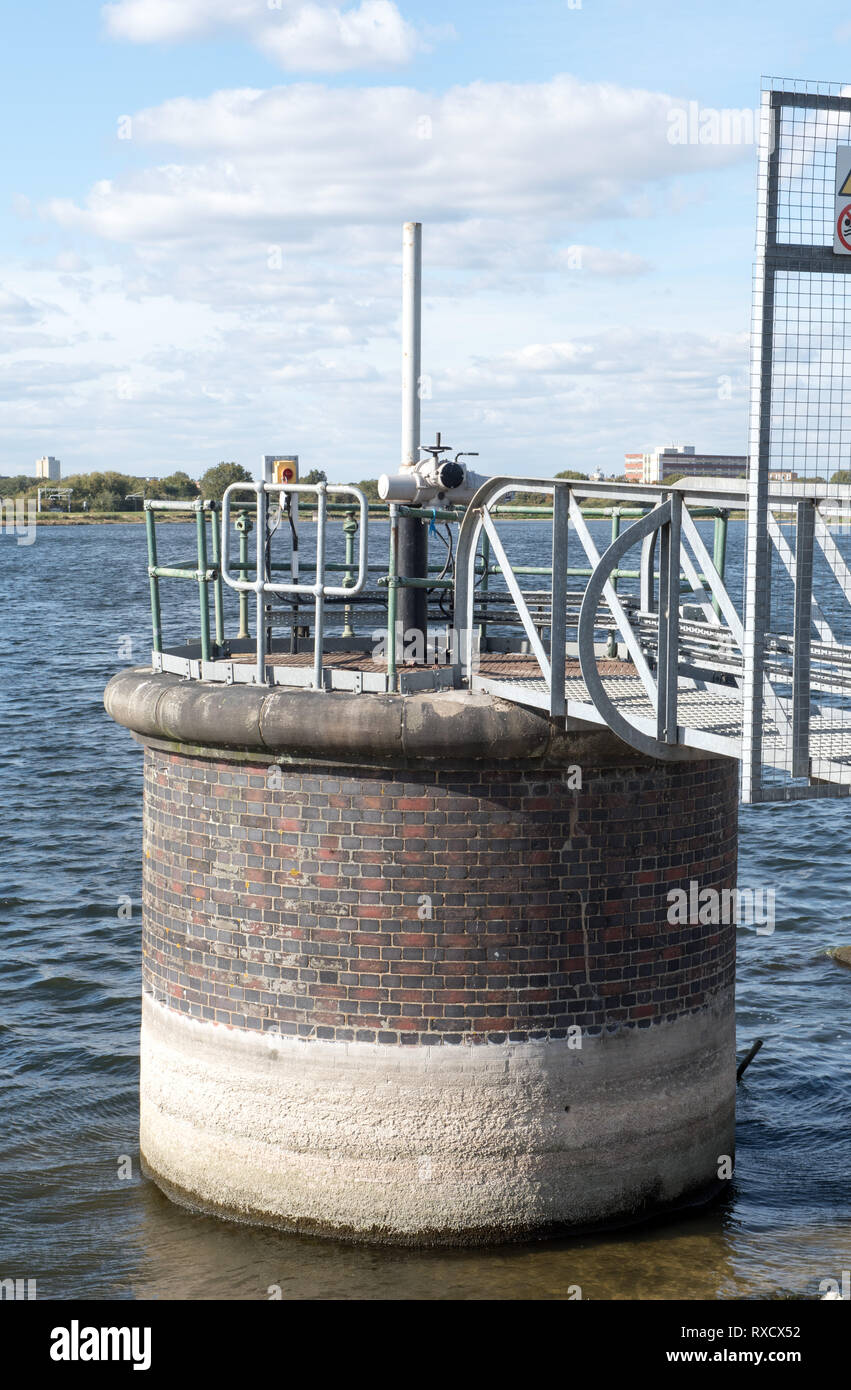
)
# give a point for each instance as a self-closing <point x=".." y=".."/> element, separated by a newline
<point x="431" y="727"/>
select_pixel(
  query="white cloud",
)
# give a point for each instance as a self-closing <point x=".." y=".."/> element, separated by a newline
<point x="307" y="37"/>
<point x="16" y="311"/>
<point x="251" y="277"/>
<point x="273" y="163"/>
<point x="322" y="39"/>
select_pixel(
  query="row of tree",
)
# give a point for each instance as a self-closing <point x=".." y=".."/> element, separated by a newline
<point x="119" y="492"/>
<point x="113" y="492"/>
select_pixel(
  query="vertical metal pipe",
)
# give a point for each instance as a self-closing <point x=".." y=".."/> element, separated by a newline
<point x="804" y="538"/>
<point x="669" y="624"/>
<point x="413" y="536"/>
<point x="392" y="590"/>
<point x="486" y="563"/>
<point x="411" y="340"/>
<point x="203" y="595"/>
<point x="719" y="551"/>
<point x="413" y="564"/>
<point x="558" y="617"/>
<point x="156" y="620"/>
<point x="616" y="530"/>
<point x="243" y="523"/>
<point x="217" y="582"/>
<point x="319" y="612"/>
<point x="258" y="584"/>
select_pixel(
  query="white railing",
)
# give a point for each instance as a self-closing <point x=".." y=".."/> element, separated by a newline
<point x="263" y="584"/>
<point x="684" y="652"/>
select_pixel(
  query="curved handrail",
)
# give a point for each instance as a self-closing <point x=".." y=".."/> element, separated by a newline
<point x="616" y="721"/>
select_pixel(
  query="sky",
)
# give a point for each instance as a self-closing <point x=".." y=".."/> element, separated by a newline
<point x="202" y="209"/>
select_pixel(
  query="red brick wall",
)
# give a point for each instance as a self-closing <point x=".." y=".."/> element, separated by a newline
<point x="295" y="908"/>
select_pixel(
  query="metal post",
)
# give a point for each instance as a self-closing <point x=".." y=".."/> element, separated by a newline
<point x="217" y="582"/>
<point x="392" y="592"/>
<point x="203" y="596"/>
<point x="719" y="551"/>
<point x="612" y="649"/>
<point x="319" y="609"/>
<point x="411" y="340"/>
<point x="243" y="526"/>
<point x="413" y="535"/>
<point x="558" y="619"/>
<point x="804" y="538"/>
<point x="486" y="562"/>
<point x="258" y="585"/>
<point x="757" y="574"/>
<point x="156" y="620"/>
<point x="669" y="624"/>
<point x="350" y="527"/>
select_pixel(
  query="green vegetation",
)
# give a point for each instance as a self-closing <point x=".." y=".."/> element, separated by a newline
<point x="113" y="493"/>
<point x="117" y="496"/>
<point x="216" y="480"/>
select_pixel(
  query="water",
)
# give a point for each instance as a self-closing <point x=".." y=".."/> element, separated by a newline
<point x="76" y="610"/>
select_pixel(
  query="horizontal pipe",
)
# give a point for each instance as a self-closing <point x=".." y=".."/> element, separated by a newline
<point x="197" y="504"/>
<point x="172" y="572"/>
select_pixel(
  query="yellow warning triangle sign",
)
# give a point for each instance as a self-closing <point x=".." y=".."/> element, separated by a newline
<point x="846" y="187"/>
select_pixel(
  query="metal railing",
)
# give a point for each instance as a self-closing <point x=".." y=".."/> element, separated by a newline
<point x="263" y="584"/>
<point x="683" y="678"/>
<point x="206" y="575"/>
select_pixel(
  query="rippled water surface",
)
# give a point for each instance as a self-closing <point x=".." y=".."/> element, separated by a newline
<point x="76" y="609"/>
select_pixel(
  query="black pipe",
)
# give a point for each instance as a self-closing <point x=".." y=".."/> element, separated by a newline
<point x="412" y="604"/>
<point x="746" y="1061"/>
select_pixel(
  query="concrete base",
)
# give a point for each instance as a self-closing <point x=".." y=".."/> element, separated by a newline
<point x="437" y="1145"/>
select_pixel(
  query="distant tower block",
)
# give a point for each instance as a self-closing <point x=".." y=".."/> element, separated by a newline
<point x="414" y="984"/>
<point x="48" y="468"/>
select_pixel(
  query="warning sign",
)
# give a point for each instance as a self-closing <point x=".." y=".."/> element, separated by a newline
<point x="842" y="202"/>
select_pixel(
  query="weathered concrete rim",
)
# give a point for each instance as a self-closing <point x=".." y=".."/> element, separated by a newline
<point x="381" y="729"/>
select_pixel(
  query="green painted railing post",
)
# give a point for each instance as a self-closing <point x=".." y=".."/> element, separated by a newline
<point x="350" y="530"/>
<point x="203" y="597"/>
<point x="719" y="552"/>
<point x="216" y="537"/>
<point x="156" y="620"/>
<point x="616" y="530"/>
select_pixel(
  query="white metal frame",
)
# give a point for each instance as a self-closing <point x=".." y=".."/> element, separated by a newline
<point x="262" y="584"/>
<point x="701" y="670"/>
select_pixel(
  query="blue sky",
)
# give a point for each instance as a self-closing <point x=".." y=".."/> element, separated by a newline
<point x="224" y="281"/>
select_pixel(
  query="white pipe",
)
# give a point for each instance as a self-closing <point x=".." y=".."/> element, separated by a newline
<point x="411" y="340"/>
<point x="415" y="487"/>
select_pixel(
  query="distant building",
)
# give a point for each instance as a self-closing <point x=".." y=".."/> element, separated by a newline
<point x="48" y="468"/>
<point x="659" y="464"/>
<point x="782" y="477"/>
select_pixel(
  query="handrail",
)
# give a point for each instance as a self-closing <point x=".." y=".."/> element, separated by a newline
<point x="667" y="516"/>
<point x="202" y="573"/>
<point x="262" y="584"/>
